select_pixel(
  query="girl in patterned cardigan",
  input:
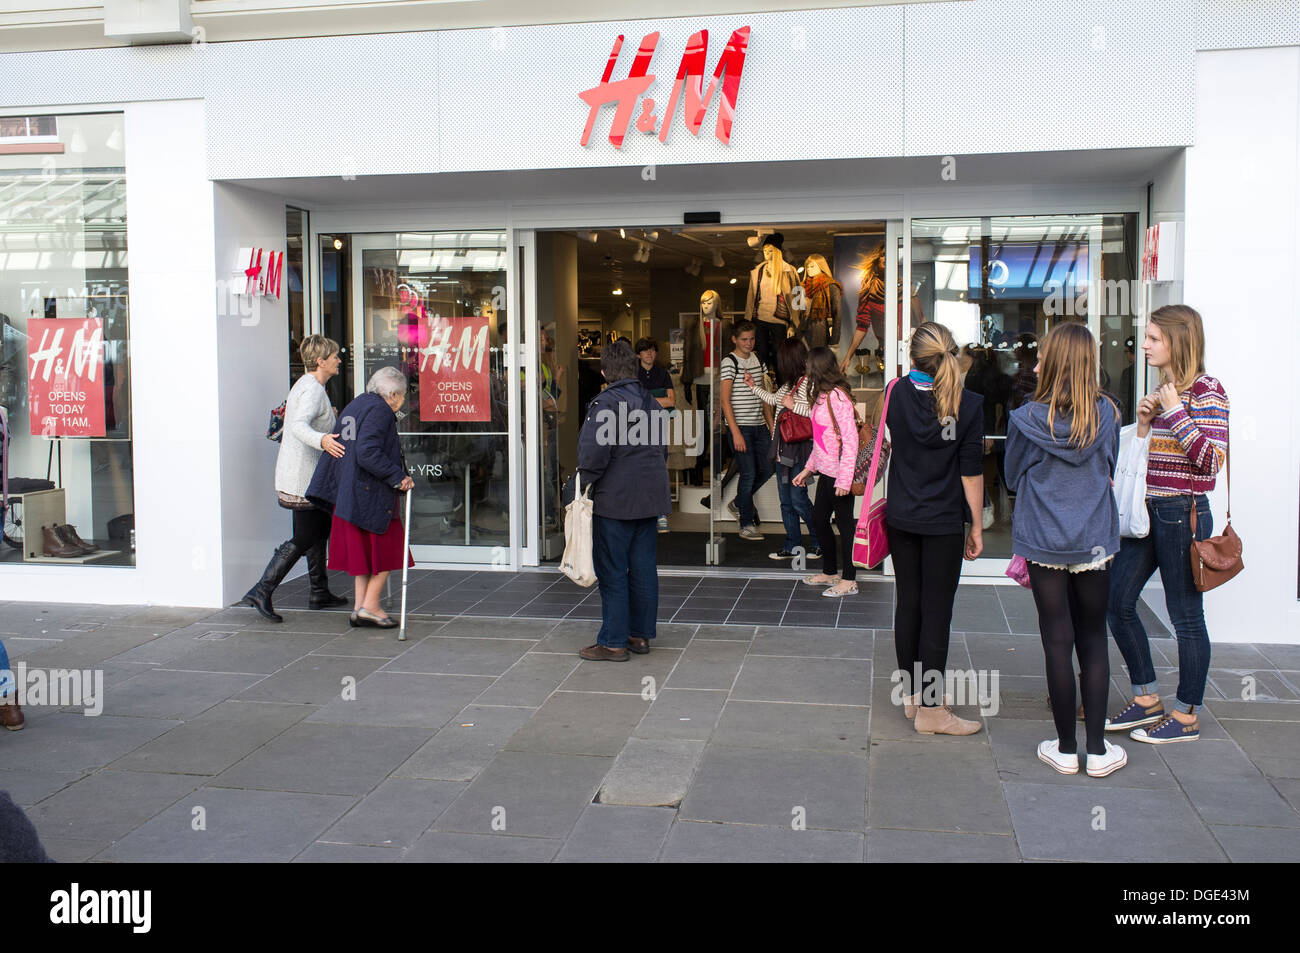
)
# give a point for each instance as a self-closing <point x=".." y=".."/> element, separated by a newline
<point x="1186" y="424"/>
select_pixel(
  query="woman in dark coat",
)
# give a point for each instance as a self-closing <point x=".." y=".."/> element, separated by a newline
<point x="362" y="489"/>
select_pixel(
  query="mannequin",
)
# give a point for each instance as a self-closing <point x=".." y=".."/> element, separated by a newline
<point x="821" y="303"/>
<point x="703" y="350"/>
<point x="767" y="302"/>
<point x="871" y="303"/>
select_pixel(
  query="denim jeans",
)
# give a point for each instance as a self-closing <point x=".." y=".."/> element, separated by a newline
<point x="625" y="554"/>
<point x="1167" y="548"/>
<point x="7" y="684"/>
<point x="795" y="505"/>
<point x="754" y="466"/>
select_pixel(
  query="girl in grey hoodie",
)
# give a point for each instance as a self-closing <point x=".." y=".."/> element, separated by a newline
<point x="1061" y="449"/>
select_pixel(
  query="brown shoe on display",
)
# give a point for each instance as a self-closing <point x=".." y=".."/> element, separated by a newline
<point x="639" y="646"/>
<point x="599" y="653"/>
<point x="11" y="716"/>
<point x="69" y="535"/>
<point x="56" y="547"/>
<point x="941" y="721"/>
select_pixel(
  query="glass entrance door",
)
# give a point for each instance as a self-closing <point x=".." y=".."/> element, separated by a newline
<point x="434" y="305"/>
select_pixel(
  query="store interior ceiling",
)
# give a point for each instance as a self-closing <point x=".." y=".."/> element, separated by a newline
<point x="630" y="258"/>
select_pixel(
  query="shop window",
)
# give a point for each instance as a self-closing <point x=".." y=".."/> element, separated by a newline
<point x="19" y="129"/>
<point x="999" y="283"/>
<point x="65" y="386"/>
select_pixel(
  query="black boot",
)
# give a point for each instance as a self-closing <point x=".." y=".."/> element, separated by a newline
<point x="321" y="597"/>
<point x="259" y="597"/>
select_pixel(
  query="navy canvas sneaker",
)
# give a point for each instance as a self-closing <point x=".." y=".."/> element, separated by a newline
<point x="1135" y="716"/>
<point x="1167" y="732"/>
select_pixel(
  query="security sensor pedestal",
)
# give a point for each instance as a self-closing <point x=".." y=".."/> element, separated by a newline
<point x="715" y="551"/>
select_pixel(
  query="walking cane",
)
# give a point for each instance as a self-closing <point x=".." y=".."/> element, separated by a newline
<point x="406" y="546"/>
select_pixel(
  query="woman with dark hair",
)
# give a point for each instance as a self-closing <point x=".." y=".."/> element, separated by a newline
<point x="361" y="489"/>
<point x="792" y="397"/>
<point x="833" y="456"/>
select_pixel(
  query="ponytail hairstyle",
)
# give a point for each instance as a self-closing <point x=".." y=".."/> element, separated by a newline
<point x="824" y="376"/>
<point x="1181" y="327"/>
<point x="935" y="353"/>
<point x="1067" y="381"/>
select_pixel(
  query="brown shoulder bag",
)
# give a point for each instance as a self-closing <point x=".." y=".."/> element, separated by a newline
<point x="1217" y="559"/>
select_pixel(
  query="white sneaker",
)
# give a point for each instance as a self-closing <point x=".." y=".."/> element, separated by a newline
<point x="1100" y="765"/>
<point x="1049" y="752"/>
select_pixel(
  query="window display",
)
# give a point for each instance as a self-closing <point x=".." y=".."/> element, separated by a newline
<point x="64" y="345"/>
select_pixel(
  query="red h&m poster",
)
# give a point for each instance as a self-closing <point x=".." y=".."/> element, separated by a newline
<point x="454" y="370"/>
<point x="65" y="377"/>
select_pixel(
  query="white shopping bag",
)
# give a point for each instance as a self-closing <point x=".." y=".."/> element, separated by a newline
<point x="576" y="563"/>
<point x="1131" y="483"/>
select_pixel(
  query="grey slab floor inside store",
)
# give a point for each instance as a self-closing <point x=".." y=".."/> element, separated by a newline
<point x="761" y="727"/>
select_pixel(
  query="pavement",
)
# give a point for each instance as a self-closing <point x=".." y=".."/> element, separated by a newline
<point x="766" y="735"/>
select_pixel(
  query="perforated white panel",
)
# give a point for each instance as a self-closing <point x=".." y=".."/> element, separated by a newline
<point x="1242" y="24"/>
<point x="1006" y="75"/>
<point x="127" y="74"/>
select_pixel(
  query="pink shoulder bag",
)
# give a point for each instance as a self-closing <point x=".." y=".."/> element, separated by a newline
<point x="870" y="543"/>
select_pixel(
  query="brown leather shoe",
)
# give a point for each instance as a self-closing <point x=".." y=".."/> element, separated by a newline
<point x="639" y="646"/>
<point x="69" y="536"/>
<point x="599" y="653"/>
<point x="11" y="716"/>
<point x="57" y="547"/>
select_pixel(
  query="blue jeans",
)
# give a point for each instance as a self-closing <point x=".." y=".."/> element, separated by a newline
<point x="625" y="554"/>
<point x="795" y="505"/>
<point x="7" y="684"/>
<point x="1166" y="548"/>
<point x="754" y="466"/>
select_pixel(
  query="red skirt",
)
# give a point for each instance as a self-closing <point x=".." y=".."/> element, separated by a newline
<point x="358" y="553"/>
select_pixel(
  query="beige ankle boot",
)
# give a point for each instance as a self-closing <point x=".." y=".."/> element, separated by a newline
<point x="910" y="704"/>
<point x="941" y="721"/>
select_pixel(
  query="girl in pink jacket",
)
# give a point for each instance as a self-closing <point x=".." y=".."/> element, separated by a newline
<point x="834" y="453"/>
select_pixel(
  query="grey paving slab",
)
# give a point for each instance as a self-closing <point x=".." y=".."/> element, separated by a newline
<point x="380" y="643"/>
<point x="1265" y="684"/>
<point x="1008" y="655"/>
<point x="466" y="744"/>
<point x="627" y="677"/>
<point x="1274" y="746"/>
<point x="901" y="769"/>
<point x="1063" y="822"/>
<point x="324" y="759"/>
<point x="87" y="652"/>
<point x="326" y="624"/>
<point x="246" y="650"/>
<point x="1015" y="749"/>
<point x="616" y="833"/>
<point x="163" y="618"/>
<point x="531" y="680"/>
<point x="107" y="805"/>
<point x="348" y="854"/>
<point x="237" y="826"/>
<point x="793" y="727"/>
<point x="813" y="643"/>
<point x="395" y="814"/>
<point x="1280" y="656"/>
<point x="437" y="847"/>
<point x="453" y="655"/>
<point x="693" y="842"/>
<point x="312" y="680"/>
<point x="27" y="787"/>
<point x="1224" y="786"/>
<point x="652" y="772"/>
<point x="165" y="693"/>
<point x="1258" y="710"/>
<point x="1259" y="845"/>
<point x="72" y="850"/>
<point x="825" y="790"/>
<point x="708" y="665"/>
<point x="567" y="637"/>
<point x="215" y="740"/>
<point x="582" y="723"/>
<point x="73" y="742"/>
<point x="404" y="699"/>
<point x="1240" y="655"/>
<point x="725" y="633"/>
<point x="526" y="793"/>
<point x="672" y="635"/>
<point x="886" y="846"/>
<point x="812" y="680"/>
<point x="1289" y="788"/>
<point x="683" y="714"/>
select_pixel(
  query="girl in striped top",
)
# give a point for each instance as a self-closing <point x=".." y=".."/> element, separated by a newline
<point x="1186" y="424"/>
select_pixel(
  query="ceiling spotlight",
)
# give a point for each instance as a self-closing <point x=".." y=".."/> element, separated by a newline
<point x="755" y="240"/>
<point x="718" y="260"/>
<point x="589" y="236"/>
<point x="733" y="281"/>
<point x="338" y="244"/>
<point x="618" y="290"/>
<point x="622" y="233"/>
<point x="652" y="236"/>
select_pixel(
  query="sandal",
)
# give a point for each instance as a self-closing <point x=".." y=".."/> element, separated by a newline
<point x="820" y="579"/>
<point x="832" y="593"/>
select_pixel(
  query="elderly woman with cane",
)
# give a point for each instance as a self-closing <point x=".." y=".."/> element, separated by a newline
<point x="361" y="490"/>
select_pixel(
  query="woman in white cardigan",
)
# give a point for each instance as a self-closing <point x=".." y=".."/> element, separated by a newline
<point x="308" y="420"/>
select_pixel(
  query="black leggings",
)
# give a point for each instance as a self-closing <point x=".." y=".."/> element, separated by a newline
<point x="926" y="572"/>
<point x="309" y="528"/>
<point x="1072" y="617"/>
<point x="842" y="506"/>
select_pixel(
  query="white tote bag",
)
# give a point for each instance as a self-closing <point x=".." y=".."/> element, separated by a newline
<point x="1131" y="483"/>
<point x="577" y="564"/>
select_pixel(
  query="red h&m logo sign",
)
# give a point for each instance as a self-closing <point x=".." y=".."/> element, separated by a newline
<point x="690" y="82"/>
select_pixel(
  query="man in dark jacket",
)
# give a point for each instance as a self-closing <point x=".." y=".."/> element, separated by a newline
<point x="623" y="457"/>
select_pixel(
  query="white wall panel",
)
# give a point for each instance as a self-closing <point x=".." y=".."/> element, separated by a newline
<point x="1239" y="24"/>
